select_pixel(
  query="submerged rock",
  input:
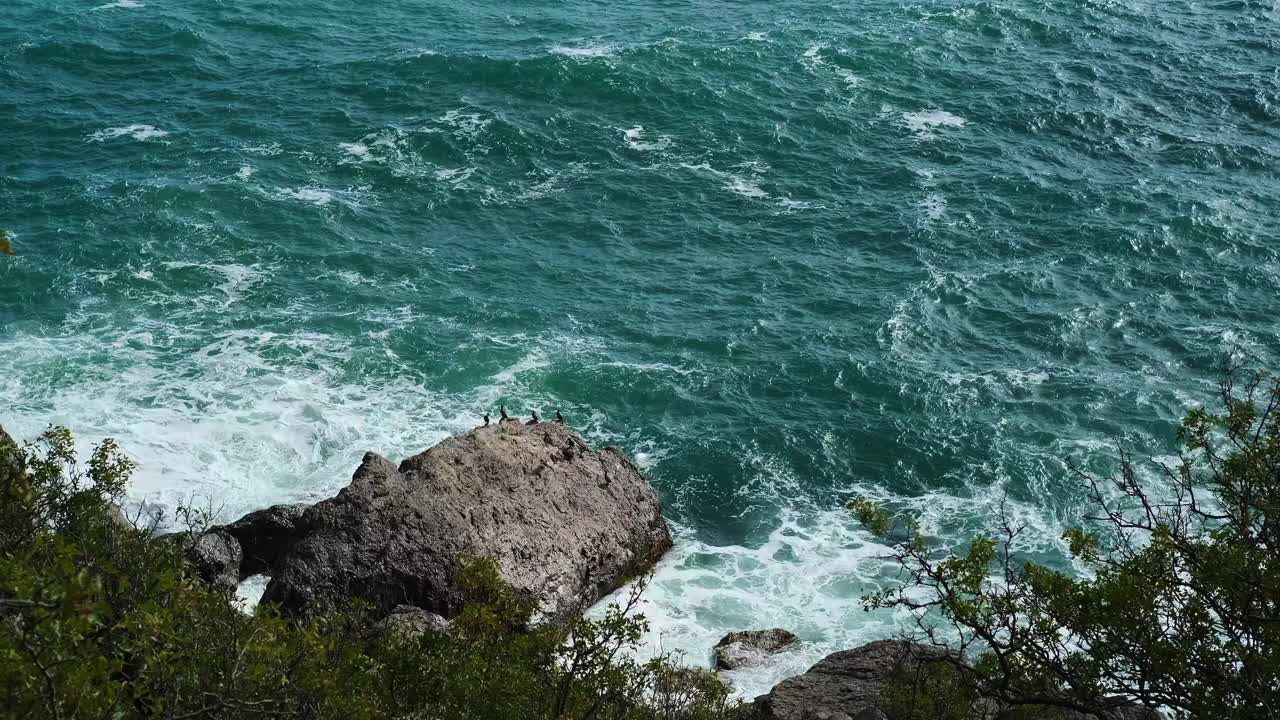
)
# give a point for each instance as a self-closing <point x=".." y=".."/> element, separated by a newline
<point x="565" y="524"/>
<point x="751" y="647"/>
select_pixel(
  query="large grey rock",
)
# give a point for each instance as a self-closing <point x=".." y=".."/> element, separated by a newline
<point x="751" y="647"/>
<point x="843" y="686"/>
<point x="215" y="557"/>
<point x="411" y="622"/>
<point x="565" y="524"/>
<point x="265" y="536"/>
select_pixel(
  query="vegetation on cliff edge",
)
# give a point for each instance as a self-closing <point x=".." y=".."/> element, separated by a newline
<point x="101" y="620"/>
<point x="1176" y="606"/>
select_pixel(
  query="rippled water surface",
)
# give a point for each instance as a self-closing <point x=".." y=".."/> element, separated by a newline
<point x="783" y="252"/>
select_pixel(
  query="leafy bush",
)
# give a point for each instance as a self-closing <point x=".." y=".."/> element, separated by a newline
<point x="1179" y="607"/>
<point x="100" y="620"/>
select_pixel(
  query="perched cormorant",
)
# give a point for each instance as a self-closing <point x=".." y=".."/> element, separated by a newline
<point x="503" y="408"/>
<point x="535" y="419"/>
<point x="486" y="419"/>
<point x="559" y="417"/>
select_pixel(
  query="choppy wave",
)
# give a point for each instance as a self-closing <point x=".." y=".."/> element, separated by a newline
<point x="137" y="132"/>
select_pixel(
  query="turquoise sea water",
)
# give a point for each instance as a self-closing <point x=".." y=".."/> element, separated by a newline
<point x="783" y="252"/>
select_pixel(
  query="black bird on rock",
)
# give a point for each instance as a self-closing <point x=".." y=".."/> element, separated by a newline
<point x="486" y="419"/>
<point x="535" y="419"/>
<point x="503" y="409"/>
<point x="559" y="417"/>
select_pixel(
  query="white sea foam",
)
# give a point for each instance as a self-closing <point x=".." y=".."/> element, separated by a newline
<point x="356" y="150"/>
<point x="465" y="125"/>
<point x="756" y="36"/>
<point x="745" y="187"/>
<point x="934" y="206"/>
<point x="124" y="4"/>
<point x="591" y="51"/>
<point x="738" y="184"/>
<point x="267" y="149"/>
<point x="925" y="123"/>
<point x="137" y="132"/>
<point x="354" y="198"/>
<point x="806" y="576"/>
<point x="454" y="176"/>
<point x="813" y="56"/>
<point x="236" y="425"/>
<point x="635" y="138"/>
<point x="351" y="277"/>
<point x="249" y="592"/>
<point x="236" y="278"/>
<point x="245" y="172"/>
<point x="791" y="205"/>
<point x="849" y="78"/>
<point x="315" y="196"/>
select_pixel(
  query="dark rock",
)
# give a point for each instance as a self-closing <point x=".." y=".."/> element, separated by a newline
<point x="850" y="685"/>
<point x="409" y="621"/>
<point x="844" y="685"/>
<point x="11" y="461"/>
<point x="215" y="557"/>
<point x="265" y="536"/>
<point x="565" y="524"/>
<point x="752" y="647"/>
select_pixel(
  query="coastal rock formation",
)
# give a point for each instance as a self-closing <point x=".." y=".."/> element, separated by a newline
<point x="10" y="457"/>
<point x="751" y="647"/>
<point x="845" y="685"/>
<point x="410" y="621"/>
<point x="564" y="523"/>
<point x="852" y="684"/>
<point x="215" y="556"/>
<point x="265" y="536"/>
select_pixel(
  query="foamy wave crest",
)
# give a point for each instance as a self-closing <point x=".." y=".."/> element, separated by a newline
<point x="588" y="52"/>
<point x="356" y="152"/>
<point x="125" y="4"/>
<point x="351" y="197"/>
<point x="808" y="576"/>
<point x="925" y="123"/>
<point x="745" y="185"/>
<point x="137" y="132"/>
<point x="635" y="138"/>
<point x="247" y="429"/>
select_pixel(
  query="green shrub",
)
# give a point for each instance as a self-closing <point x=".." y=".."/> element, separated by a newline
<point x="100" y="620"/>
<point x="1180" y="607"/>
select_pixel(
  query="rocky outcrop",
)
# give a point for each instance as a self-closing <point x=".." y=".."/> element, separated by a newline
<point x="564" y="523"/>
<point x="10" y="457"/>
<point x="752" y="647"/>
<point x="843" y="686"/>
<point x="854" y="685"/>
<point x="266" y="536"/>
<point x="409" y="621"/>
<point x="215" y="556"/>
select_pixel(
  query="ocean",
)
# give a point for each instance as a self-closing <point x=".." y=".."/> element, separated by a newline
<point x="784" y="253"/>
